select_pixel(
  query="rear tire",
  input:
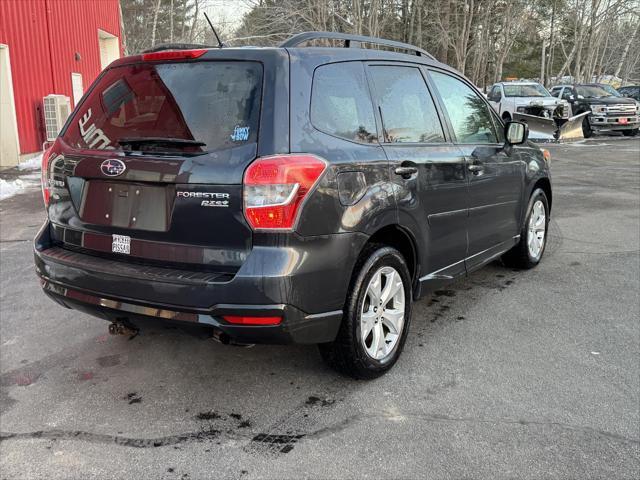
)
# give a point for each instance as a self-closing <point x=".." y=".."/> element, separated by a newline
<point x="380" y="270"/>
<point x="530" y="248"/>
<point x="630" y="133"/>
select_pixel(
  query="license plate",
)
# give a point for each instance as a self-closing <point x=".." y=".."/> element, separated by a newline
<point x="623" y="121"/>
<point x="121" y="244"/>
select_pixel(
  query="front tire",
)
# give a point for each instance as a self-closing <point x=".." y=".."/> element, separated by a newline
<point x="586" y="128"/>
<point x="533" y="236"/>
<point x="376" y="318"/>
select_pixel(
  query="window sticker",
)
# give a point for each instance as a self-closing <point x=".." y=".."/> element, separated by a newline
<point x="240" y="134"/>
<point x="92" y="136"/>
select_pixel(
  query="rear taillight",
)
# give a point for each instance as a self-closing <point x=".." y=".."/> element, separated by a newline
<point x="275" y="188"/>
<point x="44" y="176"/>
<point x="173" y="55"/>
<point x="243" y="320"/>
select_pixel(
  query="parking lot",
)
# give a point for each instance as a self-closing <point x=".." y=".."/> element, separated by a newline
<point x="526" y="374"/>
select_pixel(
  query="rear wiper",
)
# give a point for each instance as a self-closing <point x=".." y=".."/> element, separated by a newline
<point x="160" y="141"/>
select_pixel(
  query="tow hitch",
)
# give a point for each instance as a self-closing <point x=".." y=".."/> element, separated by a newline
<point x="119" y="328"/>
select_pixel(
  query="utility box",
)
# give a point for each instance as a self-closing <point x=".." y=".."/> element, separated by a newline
<point x="56" y="110"/>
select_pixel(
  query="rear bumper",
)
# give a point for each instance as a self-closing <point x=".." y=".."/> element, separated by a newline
<point x="294" y="281"/>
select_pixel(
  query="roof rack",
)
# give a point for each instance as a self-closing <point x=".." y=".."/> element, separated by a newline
<point x="353" y="41"/>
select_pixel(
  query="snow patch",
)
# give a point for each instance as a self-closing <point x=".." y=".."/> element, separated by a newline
<point x="32" y="164"/>
<point x="9" y="188"/>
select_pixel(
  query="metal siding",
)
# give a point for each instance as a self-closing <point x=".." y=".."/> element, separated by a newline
<point x="23" y="28"/>
<point x="72" y="25"/>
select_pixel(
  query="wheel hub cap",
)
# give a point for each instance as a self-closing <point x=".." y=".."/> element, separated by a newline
<point x="536" y="229"/>
<point x="382" y="315"/>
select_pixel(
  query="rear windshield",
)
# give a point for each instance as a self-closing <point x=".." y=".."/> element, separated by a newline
<point x="190" y="107"/>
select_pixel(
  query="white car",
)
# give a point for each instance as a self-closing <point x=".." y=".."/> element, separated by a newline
<point x="528" y="98"/>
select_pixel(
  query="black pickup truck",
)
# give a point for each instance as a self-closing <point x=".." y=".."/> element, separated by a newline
<point x="608" y="112"/>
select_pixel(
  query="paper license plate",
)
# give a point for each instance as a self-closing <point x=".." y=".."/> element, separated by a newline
<point x="121" y="244"/>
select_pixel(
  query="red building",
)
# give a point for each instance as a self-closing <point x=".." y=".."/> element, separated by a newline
<point x="49" y="47"/>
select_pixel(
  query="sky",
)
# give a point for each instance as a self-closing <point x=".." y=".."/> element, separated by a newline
<point x="227" y="13"/>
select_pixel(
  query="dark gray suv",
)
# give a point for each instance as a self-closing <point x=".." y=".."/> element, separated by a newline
<point x="285" y="195"/>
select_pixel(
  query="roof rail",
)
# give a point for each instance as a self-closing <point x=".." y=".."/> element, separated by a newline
<point x="352" y="41"/>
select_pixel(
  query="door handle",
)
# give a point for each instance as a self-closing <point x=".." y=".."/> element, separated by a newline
<point x="405" y="172"/>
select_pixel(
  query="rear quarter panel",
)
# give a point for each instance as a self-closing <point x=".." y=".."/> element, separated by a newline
<point x="374" y="206"/>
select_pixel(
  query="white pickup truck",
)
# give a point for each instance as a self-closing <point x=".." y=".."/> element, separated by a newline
<point x="529" y="98"/>
<point x="531" y="103"/>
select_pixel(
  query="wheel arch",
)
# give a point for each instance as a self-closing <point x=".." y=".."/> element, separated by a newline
<point x="545" y="185"/>
<point x="394" y="235"/>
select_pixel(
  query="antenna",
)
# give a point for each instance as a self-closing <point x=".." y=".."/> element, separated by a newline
<point x="220" y="44"/>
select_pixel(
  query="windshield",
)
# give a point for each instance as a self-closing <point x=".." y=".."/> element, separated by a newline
<point x="611" y="90"/>
<point x="528" y="90"/>
<point x="187" y="107"/>
<point x="592" y="91"/>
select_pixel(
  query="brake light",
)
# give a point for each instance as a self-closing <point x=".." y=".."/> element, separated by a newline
<point x="275" y="188"/>
<point x="44" y="176"/>
<point x="242" y="320"/>
<point x="173" y="55"/>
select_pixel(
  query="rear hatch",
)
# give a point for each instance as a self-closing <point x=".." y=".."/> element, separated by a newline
<point x="149" y="168"/>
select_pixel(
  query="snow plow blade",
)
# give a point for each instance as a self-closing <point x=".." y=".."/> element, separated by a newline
<point x="572" y="128"/>
<point x="541" y="129"/>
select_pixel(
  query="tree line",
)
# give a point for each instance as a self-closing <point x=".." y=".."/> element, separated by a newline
<point x="487" y="40"/>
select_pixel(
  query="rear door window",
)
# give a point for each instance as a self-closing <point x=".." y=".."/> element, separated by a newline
<point x="199" y="106"/>
<point x="469" y="113"/>
<point x="408" y="112"/>
<point x="341" y="104"/>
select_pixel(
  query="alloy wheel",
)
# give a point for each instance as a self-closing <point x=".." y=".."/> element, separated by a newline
<point x="382" y="315"/>
<point x="537" y="229"/>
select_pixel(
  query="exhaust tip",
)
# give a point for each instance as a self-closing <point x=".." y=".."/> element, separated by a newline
<point x="221" y="337"/>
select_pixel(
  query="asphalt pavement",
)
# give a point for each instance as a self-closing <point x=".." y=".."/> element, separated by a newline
<point x="506" y="374"/>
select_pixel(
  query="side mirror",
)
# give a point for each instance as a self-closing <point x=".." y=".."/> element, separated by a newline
<point x="516" y="133"/>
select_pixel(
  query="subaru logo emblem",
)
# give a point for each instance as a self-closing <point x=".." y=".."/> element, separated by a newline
<point x="113" y="167"/>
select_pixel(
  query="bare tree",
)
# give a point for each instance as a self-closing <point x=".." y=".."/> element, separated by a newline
<point x="155" y="24"/>
<point x="625" y="52"/>
<point x="485" y="39"/>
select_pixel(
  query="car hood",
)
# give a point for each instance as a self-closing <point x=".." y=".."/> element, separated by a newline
<point x="610" y="101"/>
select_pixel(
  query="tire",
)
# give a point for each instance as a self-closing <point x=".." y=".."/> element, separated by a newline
<point x="586" y="128"/>
<point x="521" y="256"/>
<point x="349" y="353"/>
<point x="630" y="133"/>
